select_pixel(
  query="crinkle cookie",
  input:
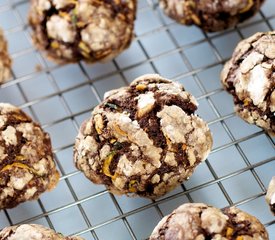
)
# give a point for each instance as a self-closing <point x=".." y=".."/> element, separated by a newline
<point x="211" y="15"/>
<point x="5" y="60"/>
<point x="27" y="168"/>
<point x="143" y="139"/>
<point x="89" y="30"/>
<point x="249" y="77"/>
<point x="197" y="221"/>
<point x="32" y="232"/>
<point x="270" y="195"/>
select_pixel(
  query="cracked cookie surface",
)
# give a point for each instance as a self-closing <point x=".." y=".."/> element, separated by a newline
<point x="249" y="77"/>
<point x="5" y="60"/>
<point x="211" y="15"/>
<point x="143" y="139"/>
<point x="198" y="221"/>
<point x="89" y="30"/>
<point x="32" y="232"/>
<point x="27" y="168"/>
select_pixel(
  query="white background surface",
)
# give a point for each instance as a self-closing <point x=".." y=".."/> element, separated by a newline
<point x="237" y="171"/>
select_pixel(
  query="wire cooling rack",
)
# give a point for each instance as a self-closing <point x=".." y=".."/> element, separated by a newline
<point x="237" y="171"/>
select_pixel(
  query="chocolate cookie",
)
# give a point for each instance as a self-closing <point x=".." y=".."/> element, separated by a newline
<point x="5" y="60"/>
<point x="143" y="139"/>
<point x="197" y="221"/>
<point x="70" y="31"/>
<point x="27" y="168"/>
<point x="211" y="15"/>
<point x="249" y="77"/>
<point x="270" y="195"/>
<point x="32" y="232"/>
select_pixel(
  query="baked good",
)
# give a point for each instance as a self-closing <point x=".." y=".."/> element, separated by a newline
<point x="143" y="139"/>
<point x="5" y="60"/>
<point x="270" y="195"/>
<point x="89" y="30"/>
<point x="211" y="15"/>
<point x="249" y="77"/>
<point x="32" y="232"/>
<point x="198" y="221"/>
<point x="27" y="168"/>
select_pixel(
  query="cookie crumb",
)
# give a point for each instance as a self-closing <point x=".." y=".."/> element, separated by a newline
<point x="38" y="68"/>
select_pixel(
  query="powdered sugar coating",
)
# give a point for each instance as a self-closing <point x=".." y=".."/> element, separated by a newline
<point x="198" y="221"/>
<point x="270" y="195"/>
<point x="249" y="77"/>
<point x="76" y="30"/>
<point x="211" y="15"/>
<point x="32" y="232"/>
<point x="26" y="161"/>
<point x="143" y="139"/>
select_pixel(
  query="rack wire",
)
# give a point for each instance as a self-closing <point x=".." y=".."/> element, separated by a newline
<point x="236" y="172"/>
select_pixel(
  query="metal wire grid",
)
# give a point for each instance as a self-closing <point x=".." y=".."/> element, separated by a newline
<point x="235" y="172"/>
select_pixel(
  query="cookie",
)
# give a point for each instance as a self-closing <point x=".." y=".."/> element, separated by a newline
<point x="5" y="60"/>
<point x="249" y="77"/>
<point x="270" y="195"/>
<point x="198" y="221"/>
<point x="143" y="139"/>
<point x="209" y="15"/>
<point x="32" y="232"/>
<point x="27" y="168"/>
<point x="71" y="31"/>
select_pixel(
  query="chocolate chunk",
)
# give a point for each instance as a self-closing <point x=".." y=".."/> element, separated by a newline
<point x="27" y="168"/>
<point x="211" y="15"/>
<point x="249" y="77"/>
<point x="71" y="31"/>
<point x="5" y="60"/>
<point x="143" y="139"/>
<point x="198" y="221"/>
<point x="32" y="232"/>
